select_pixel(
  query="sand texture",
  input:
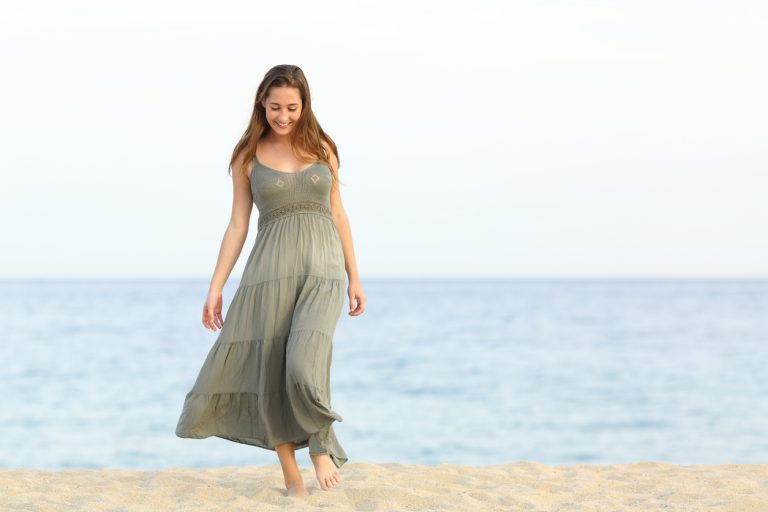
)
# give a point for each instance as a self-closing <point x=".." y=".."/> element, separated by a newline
<point x="524" y="486"/>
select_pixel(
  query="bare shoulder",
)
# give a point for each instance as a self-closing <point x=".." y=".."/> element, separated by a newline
<point x="332" y="156"/>
<point x="241" y="167"/>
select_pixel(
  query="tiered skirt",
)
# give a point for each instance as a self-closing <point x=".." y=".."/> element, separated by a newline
<point x="267" y="378"/>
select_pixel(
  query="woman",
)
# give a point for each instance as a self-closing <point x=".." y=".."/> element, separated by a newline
<point x="266" y="380"/>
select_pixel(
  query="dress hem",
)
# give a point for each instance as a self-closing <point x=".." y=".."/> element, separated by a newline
<point x="297" y="445"/>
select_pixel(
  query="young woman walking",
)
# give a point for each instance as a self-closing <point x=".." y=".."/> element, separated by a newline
<point x="266" y="379"/>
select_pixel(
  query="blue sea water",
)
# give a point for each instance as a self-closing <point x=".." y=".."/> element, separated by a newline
<point x="560" y="371"/>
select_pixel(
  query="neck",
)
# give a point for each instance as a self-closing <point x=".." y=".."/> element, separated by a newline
<point x="283" y="140"/>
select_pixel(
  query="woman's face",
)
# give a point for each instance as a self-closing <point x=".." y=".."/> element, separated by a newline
<point x="283" y="107"/>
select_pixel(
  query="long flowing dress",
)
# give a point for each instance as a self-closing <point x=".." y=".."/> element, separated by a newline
<point x="266" y="379"/>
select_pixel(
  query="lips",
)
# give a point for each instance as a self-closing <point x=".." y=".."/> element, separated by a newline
<point x="282" y="125"/>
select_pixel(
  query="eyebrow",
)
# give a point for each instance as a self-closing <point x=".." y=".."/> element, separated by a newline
<point x="276" y="103"/>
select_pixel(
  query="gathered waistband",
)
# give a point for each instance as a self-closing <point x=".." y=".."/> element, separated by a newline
<point x="293" y="208"/>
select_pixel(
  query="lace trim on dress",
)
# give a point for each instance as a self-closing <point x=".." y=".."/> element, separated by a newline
<point x="292" y="208"/>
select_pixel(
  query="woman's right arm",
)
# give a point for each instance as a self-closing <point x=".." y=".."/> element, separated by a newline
<point x="231" y="245"/>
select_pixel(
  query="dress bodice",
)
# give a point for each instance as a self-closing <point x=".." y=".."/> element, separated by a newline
<point x="273" y="189"/>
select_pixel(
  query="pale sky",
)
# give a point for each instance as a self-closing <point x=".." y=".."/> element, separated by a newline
<point x="484" y="138"/>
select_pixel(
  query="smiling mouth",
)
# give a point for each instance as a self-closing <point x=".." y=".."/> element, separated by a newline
<point x="282" y="125"/>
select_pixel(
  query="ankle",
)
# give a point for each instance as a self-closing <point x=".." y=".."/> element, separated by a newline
<point x="294" y="482"/>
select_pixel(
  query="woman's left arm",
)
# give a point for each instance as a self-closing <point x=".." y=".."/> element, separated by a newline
<point x="355" y="290"/>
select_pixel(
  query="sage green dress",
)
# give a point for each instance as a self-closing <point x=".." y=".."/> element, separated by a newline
<point x="266" y="379"/>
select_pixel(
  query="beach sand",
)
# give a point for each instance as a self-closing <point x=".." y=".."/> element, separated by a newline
<point x="524" y="486"/>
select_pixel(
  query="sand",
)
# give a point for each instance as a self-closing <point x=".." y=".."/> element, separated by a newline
<point x="525" y="486"/>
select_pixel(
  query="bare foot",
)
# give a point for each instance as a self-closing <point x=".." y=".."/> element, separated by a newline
<point x="325" y="470"/>
<point x="296" y="489"/>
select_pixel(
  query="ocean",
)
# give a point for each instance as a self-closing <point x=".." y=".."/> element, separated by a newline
<point x="472" y="371"/>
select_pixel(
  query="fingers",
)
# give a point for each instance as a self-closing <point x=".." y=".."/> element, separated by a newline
<point x="359" y="309"/>
<point x="211" y="320"/>
<point x="206" y="324"/>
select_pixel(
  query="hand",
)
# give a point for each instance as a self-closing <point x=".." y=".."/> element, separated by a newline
<point x="355" y="292"/>
<point x="212" y="311"/>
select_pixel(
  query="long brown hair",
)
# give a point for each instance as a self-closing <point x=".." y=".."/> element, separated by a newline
<point x="307" y="135"/>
